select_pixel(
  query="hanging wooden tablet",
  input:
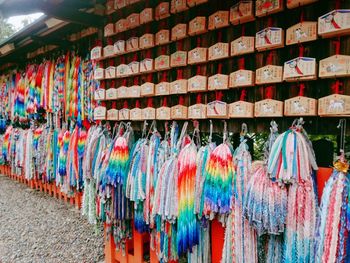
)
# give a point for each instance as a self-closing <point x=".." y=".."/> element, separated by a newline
<point x="119" y="4"/>
<point x="297" y="3"/>
<point x="192" y="3"/>
<point x="218" y="82"/>
<point x="242" y="45"/>
<point x="136" y="114"/>
<point x="162" y="89"/>
<point x="146" y="41"/>
<point x="334" y="105"/>
<point x="111" y="94"/>
<point x="162" y="62"/>
<point x="268" y="108"/>
<point x="124" y="114"/>
<point x="335" y="66"/>
<point x="134" y="91"/>
<point x="217" y="109"/>
<point x="300" y="68"/>
<point x="178" y="59"/>
<point x="130" y="2"/>
<point x="123" y="70"/>
<point x="109" y="7"/>
<point x="120" y="47"/>
<point x="267" y="7"/>
<point x="178" y="32"/>
<point x="100" y="94"/>
<point x="149" y="113"/>
<point x="146" y="65"/>
<point x="108" y="51"/>
<point x="132" y="44"/>
<point x="146" y="16"/>
<point x="123" y="92"/>
<point x="112" y="115"/>
<point x="334" y="23"/>
<point x="242" y="78"/>
<point x="179" y="112"/>
<point x="218" y="20"/>
<point x="197" y="111"/>
<point x="218" y="51"/>
<point x="99" y="74"/>
<point x="162" y="11"/>
<point x="300" y="106"/>
<point x="178" y="6"/>
<point x="121" y="25"/>
<point x="241" y="109"/>
<point x="109" y="30"/>
<point x="110" y="72"/>
<point x="269" y="38"/>
<point x="147" y="89"/>
<point x="178" y="86"/>
<point x="301" y="32"/>
<point x="96" y="53"/>
<point x="197" y="55"/>
<point x="242" y="12"/>
<point x="100" y="113"/>
<point x="197" y="83"/>
<point x="133" y="20"/>
<point x="197" y="26"/>
<point x="163" y="113"/>
<point x="268" y="74"/>
<point x="134" y="67"/>
<point x="162" y="37"/>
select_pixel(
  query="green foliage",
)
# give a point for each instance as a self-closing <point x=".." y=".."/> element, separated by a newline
<point x="6" y="29"/>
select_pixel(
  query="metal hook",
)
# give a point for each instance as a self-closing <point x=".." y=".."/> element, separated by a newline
<point x="244" y="129"/>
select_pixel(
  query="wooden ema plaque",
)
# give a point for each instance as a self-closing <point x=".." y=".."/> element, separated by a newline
<point x="179" y="112"/>
<point x="112" y="115"/>
<point x="100" y="94"/>
<point x="135" y="114"/>
<point x="269" y="38"/>
<point x="134" y="91"/>
<point x="121" y="25"/>
<point x="267" y="7"/>
<point x="110" y="7"/>
<point x="217" y="109"/>
<point x="163" y="113"/>
<point x="178" y="6"/>
<point x="99" y="113"/>
<point x="162" y="37"/>
<point x="218" y="82"/>
<point x="241" y="109"/>
<point x="124" y="114"/>
<point x="120" y="47"/>
<point x="149" y="113"/>
<point x="133" y="20"/>
<point x="178" y="86"/>
<point x="130" y="2"/>
<point x="334" y="23"/>
<point x="178" y="32"/>
<point x="132" y="44"/>
<point x="123" y="92"/>
<point x="147" y="89"/>
<point x="242" y="78"/>
<point x="110" y="72"/>
<point x="268" y="74"/>
<point x="335" y="66"/>
<point x="192" y="3"/>
<point x="300" y="68"/>
<point x="146" y="65"/>
<point x="146" y="16"/>
<point x="242" y="12"/>
<point x="197" y="111"/>
<point x="109" y="30"/>
<point x="197" y="26"/>
<point x="301" y="32"/>
<point x="108" y="51"/>
<point x="334" y="105"/>
<point x="268" y="108"/>
<point x="297" y="3"/>
<point x="218" y="51"/>
<point x="242" y="45"/>
<point x="99" y="73"/>
<point x="162" y="62"/>
<point x="178" y="59"/>
<point x="162" y="11"/>
<point x="197" y="55"/>
<point x="111" y="94"/>
<point x="197" y="84"/>
<point x="96" y="53"/>
<point x="218" y="20"/>
<point x="134" y="67"/>
<point x="162" y="89"/>
<point x="300" y="106"/>
<point x="119" y="4"/>
<point x="146" y="41"/>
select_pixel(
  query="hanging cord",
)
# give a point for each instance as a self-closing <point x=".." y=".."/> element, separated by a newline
<point x="225" y="132"/>
<point x="196" y="134"/>
<point x="210" y="131"/>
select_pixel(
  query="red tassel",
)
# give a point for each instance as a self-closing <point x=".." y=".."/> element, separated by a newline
<point x="336" y="87"/>
<point x="124" y="82"/>
<point x="114" y="105"/>
<point x="269" y="92"/>
<point x="301" y="50"/>
<point x="136" y="81"/>
<point x="181" y="100"/>
<point x="241" y="63"/>
<point x="218" y="95"/>
<point x="243" y="95"/>
<point x="269" y="58"/>
<point x="198" y="41"/>
<point x="179" y="74"/>
<point x="149" y="78"/>
<point x="113" y="84"/>
<point x="220" y="68"/>
<point x="125" y="106"/>
<point x="164" y="76"/>
<point x="337" y="46"/>
<point x="109" y="41"/>
<point x="301" y="89"/>
<point x="198" y="70"/>
<point x="137" y="104"/>
<point x="199" y="99"/>
<point x="165" y="104"/>
<point x="243" y="30"/>
<point x="149" y="102"/>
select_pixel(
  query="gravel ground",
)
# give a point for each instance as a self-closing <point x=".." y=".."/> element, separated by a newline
<point x="35" y="227"/>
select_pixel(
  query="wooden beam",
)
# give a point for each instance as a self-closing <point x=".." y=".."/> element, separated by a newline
<point x="52" y="41"/>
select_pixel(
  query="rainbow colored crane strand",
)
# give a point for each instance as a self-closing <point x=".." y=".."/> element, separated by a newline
<point x="62" y="157"/>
